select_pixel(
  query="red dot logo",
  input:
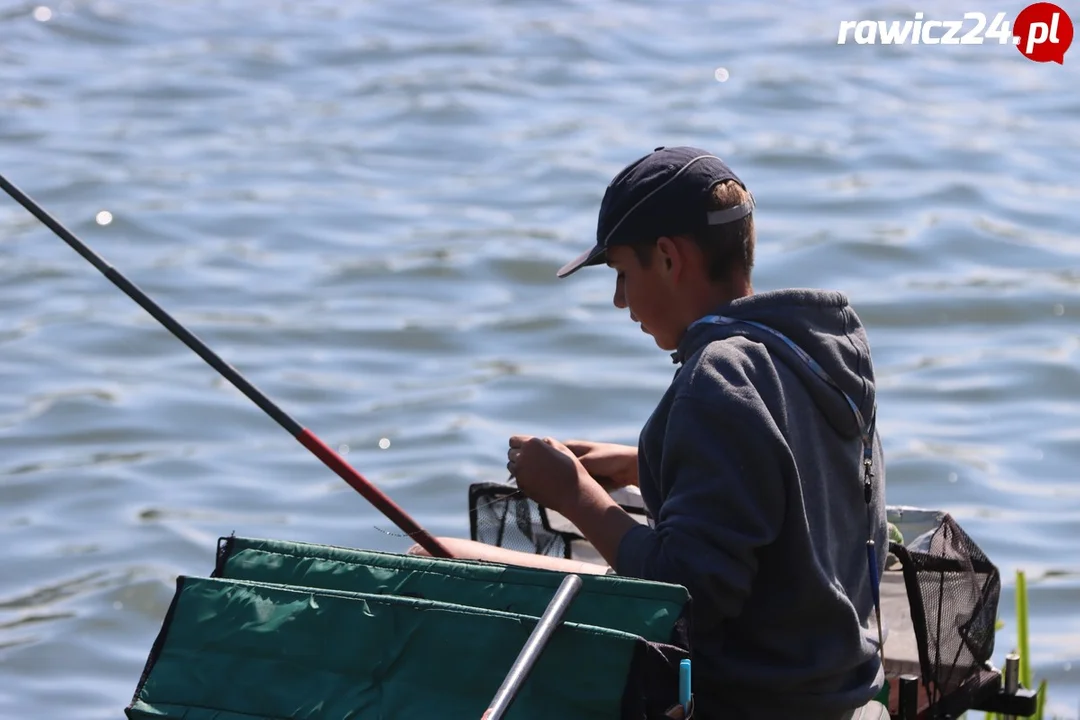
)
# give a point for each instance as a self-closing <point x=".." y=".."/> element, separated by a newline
<point x="1043" y="32"/>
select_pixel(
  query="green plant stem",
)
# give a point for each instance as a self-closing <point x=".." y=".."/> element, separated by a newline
<point x="1022" y="629"/>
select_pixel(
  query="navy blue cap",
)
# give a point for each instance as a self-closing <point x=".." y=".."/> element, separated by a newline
<point x="664" y="193"/>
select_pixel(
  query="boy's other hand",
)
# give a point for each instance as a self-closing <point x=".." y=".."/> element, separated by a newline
<point x="612" y="465"/>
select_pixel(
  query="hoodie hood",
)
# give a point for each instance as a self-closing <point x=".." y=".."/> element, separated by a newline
<point x="823" y="325"/>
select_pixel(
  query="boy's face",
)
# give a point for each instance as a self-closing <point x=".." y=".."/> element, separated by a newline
<point x="647" y="293"/>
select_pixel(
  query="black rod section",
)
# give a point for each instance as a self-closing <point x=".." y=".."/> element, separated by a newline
<point x="130" y="289"/>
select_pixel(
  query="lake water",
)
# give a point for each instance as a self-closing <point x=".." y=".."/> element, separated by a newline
<point x="362" y="206"/>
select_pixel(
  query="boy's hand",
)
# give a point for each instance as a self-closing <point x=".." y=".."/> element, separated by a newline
<point x="551" y="474"/>
<point x="546" y="471"/>
<point x="613" y="466"/>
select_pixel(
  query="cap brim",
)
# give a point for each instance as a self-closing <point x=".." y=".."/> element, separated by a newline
<point x="593" y="256"/>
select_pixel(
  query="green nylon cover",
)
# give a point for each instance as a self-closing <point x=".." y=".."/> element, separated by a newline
<point x="639" y="607"/>
<point x="233" y="650"/>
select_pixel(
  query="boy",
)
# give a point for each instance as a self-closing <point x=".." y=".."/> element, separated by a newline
<point x="760" y="467"/>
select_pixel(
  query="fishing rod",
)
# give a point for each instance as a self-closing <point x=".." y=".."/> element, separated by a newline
<point x="303" y="435"/>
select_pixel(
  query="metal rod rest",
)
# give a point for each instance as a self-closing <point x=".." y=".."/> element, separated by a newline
<point x="534" y="646"/>
<point x="1012" y="677"/>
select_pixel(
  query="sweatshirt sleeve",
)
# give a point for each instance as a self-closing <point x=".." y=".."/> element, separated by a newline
<point x="724" y="464"/>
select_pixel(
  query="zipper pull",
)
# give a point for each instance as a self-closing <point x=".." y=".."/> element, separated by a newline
<point x="868" y="477"/>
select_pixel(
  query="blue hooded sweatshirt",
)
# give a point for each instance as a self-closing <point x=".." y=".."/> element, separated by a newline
<point x="751" y="468"/>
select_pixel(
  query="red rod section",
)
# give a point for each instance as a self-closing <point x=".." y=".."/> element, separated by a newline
<point x="373" y="495"/>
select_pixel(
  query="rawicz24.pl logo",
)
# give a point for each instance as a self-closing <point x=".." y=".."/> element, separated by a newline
<point x="1041" y="32"/>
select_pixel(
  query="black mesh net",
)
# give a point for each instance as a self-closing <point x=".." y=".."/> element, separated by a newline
<point x="501" y="515"/>
<point x="953" y="589"/>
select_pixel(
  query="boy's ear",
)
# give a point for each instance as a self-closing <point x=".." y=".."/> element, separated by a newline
<point x="663" y="251"/>
<point x="669" y="254"/>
